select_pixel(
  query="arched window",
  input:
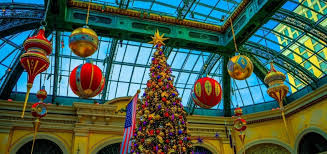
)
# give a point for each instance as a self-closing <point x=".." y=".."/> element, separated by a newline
<point x="312" y="143"/>
<point x="267" y="148"/>
<point x="112" y="148"/>
<point x="40" y="146"/>
<point x="201" y="150"/>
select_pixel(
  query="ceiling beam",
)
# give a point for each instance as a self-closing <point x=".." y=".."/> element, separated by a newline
<point x="56" y="67"/>
<point x="226" y="88"/>
<point x="258" y="69"/>
<point x="19" y="47"/>
<point x="250" y="20"/>
<point x="182" y="13"/>
<point x="139" y="25"/>
<point x="109" y="60"/>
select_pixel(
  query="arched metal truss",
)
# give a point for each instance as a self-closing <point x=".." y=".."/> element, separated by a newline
<point x="281" y="60"/>
<point x="20" y="17"/>
<point x="290" y="18"/>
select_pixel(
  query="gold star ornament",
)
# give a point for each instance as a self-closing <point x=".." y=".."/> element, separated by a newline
<point x="157" y="39"/>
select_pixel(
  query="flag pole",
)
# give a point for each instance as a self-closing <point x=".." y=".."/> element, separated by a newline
<point x="137" y="92"/>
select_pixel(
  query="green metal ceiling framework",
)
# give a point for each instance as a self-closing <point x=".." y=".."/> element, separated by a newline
<point x="62" y="17"/>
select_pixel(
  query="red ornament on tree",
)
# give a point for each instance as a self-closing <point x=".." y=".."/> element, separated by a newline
<point x="86" y="80"/>
<point x="207" y="92"/>
<point x="35" y="60"/>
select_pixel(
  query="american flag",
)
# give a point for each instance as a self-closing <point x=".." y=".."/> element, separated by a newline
<point x="129" y="126"/>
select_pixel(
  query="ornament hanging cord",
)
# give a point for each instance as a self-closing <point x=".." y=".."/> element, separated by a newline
<point x="271" y="60"/>
<point x="231" y="25"/>
<point x="44" y="22"/>
<point x="88" y="13"/>
<point x="36" y="125"/>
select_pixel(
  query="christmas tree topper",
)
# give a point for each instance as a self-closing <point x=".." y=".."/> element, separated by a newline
<point x="157" y="39"/>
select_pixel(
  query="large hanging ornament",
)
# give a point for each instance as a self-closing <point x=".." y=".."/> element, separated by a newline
<point x="277" y="89"/>
<point x="83" y="41"/>
<point x="86" y="80"/>
<point x="207" y="92"/>
<point x="240" y="67"/>
<point x="35" y="59"/>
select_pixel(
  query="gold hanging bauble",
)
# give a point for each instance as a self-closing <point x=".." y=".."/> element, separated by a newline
<point x="240" y="67"/>
<point x="277" y="89"/>
<point x="83" y="41"/>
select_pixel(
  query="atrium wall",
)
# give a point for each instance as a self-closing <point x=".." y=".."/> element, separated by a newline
<point x="87" y="128"/>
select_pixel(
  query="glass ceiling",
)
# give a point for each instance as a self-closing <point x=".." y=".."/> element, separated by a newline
<point x="275" y="40"/>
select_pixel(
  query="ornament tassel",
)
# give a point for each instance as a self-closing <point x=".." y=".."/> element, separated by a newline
<point x="285" y="124"/>
<point x="284" y="118"/>
<point x="29" y="86"/>
<point x="235" y="45"/>
<point x="36" y="125"/>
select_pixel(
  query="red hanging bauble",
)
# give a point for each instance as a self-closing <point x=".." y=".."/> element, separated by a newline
<point x="39" y="110"/>
<point x="238" y="111"/>
<point x="41" y="95"/>
<point x="240" y="124"/>
<point x="207" y="92"/>
<point x="35" y="60"/>
<point x="86" y="80"/>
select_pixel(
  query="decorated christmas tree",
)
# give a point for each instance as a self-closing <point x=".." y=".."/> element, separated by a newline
<point x="162" y="127"/>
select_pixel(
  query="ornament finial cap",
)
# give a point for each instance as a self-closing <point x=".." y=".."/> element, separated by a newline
<point x="272" y="67"/>
<point x="89" y="61"/>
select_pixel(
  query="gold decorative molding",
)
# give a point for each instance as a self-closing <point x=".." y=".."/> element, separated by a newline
<point x="159" y="18"/>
